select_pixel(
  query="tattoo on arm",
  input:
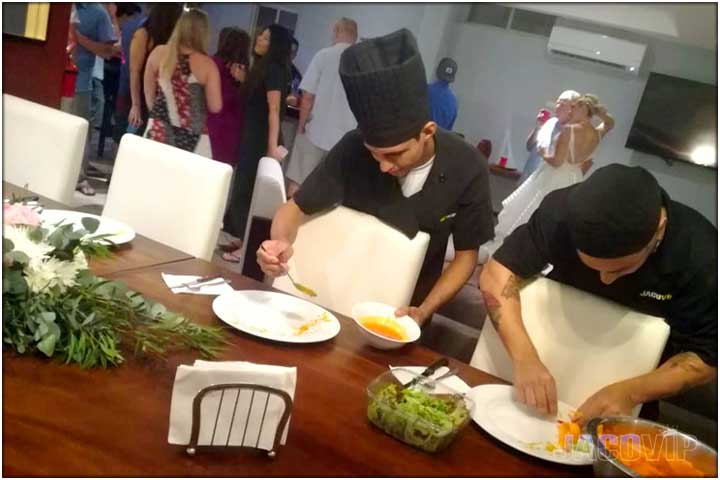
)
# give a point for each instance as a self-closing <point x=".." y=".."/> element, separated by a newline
<point x="693" y="365"/>
<point x="511" y="290"/>
<point x="493" y="308"/>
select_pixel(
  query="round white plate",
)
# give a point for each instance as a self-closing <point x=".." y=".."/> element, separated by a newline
<point x="120" y="232"/>
<point x="515" y="425"/>
<point x="276" y="316"/>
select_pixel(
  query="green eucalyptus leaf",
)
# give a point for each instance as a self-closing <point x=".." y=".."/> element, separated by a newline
<point x="157" y="310"/>
<point x="17" y="256"/>
<point x="37" y="234"/>
<point x="85" y="278"/>
<point x="88" y="319"/>
<point x="7" y="245"/>
<point x="47" y="345"/>
<point x="76" y="234"/>
<point x="16" y="282"/>
<point x="90" y="224"/>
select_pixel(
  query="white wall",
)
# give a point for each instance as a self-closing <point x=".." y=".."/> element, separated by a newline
<point x="315" y="22"/>
<point x="223" y="15"/>
<point x="504" y="77"/>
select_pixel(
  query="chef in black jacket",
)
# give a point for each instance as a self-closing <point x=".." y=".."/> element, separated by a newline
<point x="617" y="235"/>
<point x="399" y="167"/>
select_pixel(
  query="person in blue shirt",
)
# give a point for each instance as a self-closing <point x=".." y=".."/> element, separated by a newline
<point x="130" y="17"/>
<point x="443" y="104"/>
<point x="90" y="21"/>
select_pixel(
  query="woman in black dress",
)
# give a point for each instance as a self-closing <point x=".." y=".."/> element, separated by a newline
<point x="267" y="88"/>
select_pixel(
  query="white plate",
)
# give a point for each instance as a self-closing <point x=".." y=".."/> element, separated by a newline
<point x="513" y="424"/>
<point x="120" y="232"/>
<point x="276" y="316"/>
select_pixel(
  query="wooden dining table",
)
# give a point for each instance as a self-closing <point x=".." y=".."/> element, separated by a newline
<point x="61" y="420"/>
<point x="141" y="252"/>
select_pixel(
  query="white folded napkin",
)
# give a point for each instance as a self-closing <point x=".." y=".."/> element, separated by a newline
<point x="225" y="417"/>
<point x="215" y="287"/>
<point x="452" y="382"/>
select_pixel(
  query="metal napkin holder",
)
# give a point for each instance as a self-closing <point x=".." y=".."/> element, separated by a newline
<point x="193" y="446"/>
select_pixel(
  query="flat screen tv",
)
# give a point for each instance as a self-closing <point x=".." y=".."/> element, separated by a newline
<point x="677" y="120"/>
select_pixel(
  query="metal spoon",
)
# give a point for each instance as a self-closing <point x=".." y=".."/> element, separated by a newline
<point x="298" y="286"/>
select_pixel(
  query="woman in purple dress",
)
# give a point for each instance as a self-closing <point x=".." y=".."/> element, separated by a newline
<point x="225" y="127"/>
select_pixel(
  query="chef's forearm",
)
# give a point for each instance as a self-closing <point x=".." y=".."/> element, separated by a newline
<point x="451" y="280"/>
<point x="678" y="374"/>
<point x="500" y="289"/>
<point x="286" y="222"/>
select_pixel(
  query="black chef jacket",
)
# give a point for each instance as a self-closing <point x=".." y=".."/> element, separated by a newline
<point x="454" y="200"/>
<point x="678" y="282"/>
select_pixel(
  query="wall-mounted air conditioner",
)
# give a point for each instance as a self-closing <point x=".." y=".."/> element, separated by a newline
<point x="597" y="48"/>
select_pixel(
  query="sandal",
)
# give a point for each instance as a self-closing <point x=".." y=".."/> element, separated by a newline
<point x="232" y="257"/>
<point x="230" y="247"/>
<point x="85" y="188"/>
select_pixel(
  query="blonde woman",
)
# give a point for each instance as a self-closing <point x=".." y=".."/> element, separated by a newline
<point x="563" y="165"/>
<point x="182" y="84"/>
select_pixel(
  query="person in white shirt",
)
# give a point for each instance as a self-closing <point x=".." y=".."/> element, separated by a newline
<point x="325" y="115"/>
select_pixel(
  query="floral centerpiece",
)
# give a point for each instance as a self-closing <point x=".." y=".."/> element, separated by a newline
<point x="53" y="304"/>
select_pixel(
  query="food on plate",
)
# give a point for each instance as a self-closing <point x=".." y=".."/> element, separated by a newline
<point x="423" y="420"/>
<point x="568" y="434"/>
<point x="648" y="455"/>
<point x="309" y="324"/>
<point x="384" y="326"/>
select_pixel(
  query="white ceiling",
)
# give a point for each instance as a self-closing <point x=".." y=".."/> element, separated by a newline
<point x="690" y="23"/>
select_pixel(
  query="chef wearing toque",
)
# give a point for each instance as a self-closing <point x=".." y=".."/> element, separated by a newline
<point x="399" y="167"/>
<point x="619" y="236"/>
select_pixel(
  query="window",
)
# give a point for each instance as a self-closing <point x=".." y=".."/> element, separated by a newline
<point x="512" y="18"/>
<point x="532" y="22"/>
<point x="269" y="15"/>
<point x="490" y="14"/>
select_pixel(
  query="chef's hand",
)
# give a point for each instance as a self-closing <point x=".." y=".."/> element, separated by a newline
<point x="273" y="255"/>
<point x="615" y="399"/>
<point x="534" y="386"/>
<point x="419" y="314"/>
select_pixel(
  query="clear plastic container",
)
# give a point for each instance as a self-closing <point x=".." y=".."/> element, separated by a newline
<point x="428" y="419"/>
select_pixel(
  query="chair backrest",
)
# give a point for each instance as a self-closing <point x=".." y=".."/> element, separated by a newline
<point x="268" y="195"/>
<point x="42" y="147"/>
<point x="585" y="341"/>
<point x="349" y="257"/>
<point x="258" y="398"/>
<point x="170" y="195"/>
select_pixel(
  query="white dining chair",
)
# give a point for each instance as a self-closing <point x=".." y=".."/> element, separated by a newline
<point x="586" y="342"/>
<point x="42" y="148"/>
<point x="268" y="195"/>
<point x="349" y="257"/>
<point x="169" y="195"/>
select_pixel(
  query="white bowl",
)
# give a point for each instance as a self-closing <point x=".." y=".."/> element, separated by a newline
<point x="375" y="309"/>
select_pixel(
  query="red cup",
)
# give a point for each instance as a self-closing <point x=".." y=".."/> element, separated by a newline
<point x="543" y="115"/>
<point x="503" y="162"/>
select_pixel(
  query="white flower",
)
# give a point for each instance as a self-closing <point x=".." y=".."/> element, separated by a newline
<point x="51" y="273"/>
<point x="80" y="261"/>
<point x="18" y="235"/>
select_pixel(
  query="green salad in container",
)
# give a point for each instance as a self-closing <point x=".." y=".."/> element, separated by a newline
<point x="415" y="415"/>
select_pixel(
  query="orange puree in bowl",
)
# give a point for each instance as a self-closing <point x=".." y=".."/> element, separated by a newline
<point x="384" y="326"/>
<point x="649" y="456"/>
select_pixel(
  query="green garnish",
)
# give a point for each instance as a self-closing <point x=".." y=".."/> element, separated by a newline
<point x="413" y="416"/>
